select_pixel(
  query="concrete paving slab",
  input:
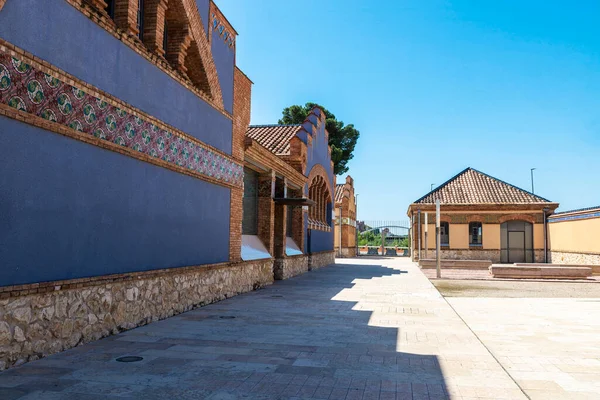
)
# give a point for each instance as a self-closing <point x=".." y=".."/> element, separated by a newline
<point x="361" y="329"/>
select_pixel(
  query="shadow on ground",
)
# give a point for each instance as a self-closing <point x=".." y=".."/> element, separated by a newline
<point x="296" y="339"/>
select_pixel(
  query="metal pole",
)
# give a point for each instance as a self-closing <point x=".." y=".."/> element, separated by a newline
<point x="426" y="242"/>
<point x="340" y="236"/>
<point x="532" y="189"/>
<point x="419" y="232"/>
<point x="412" y="237"/>
<point x="437" y="239"/>
<point x="545" y="236"/>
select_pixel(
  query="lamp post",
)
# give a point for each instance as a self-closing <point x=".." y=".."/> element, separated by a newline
<point x="356" y="223"/>
<point x="532" y="189"/>
<point x="431" y="189"/>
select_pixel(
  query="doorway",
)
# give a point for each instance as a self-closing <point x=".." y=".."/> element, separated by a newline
<point x="516" y="242"/>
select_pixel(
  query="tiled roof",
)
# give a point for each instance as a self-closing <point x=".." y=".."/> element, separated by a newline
<point x="474" y="187"/>
<point x="339" y="192"/>
<point x="275" y="138"/>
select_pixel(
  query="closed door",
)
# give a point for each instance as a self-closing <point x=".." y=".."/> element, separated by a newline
<point x="516" y="247"/>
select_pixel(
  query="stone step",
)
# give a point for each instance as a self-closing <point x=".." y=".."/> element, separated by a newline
<point x="429" y="263"/>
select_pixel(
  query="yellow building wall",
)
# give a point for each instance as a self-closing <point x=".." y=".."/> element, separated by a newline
<point x="579" y="236"/>
<point x="430" y="236"/>
<point x="459" y="236"/>
<point x="336" y="235"/>
<point x="538" y="236"/>
<point x="491" y="236"/>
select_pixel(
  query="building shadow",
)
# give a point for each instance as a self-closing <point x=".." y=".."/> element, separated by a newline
<point x="299" y="338"/>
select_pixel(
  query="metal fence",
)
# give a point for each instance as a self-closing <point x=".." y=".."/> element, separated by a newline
<point x="383" y="237"/>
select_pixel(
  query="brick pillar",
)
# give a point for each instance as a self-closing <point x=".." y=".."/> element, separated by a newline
<point x="235" y="224"/>
<point x="99" y="5"/>
<point x="126" y="16"/>
<point x="178" y="42"/>
<point x="280" y="226"/>
<point x="266" y="210"/>
<point x="154" y="25"/>
<point x="298" y="216"/>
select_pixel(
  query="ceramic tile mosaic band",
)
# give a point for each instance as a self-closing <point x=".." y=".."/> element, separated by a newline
<point x="27" y="89"/>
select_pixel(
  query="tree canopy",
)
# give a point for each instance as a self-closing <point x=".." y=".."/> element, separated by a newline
<point x="342" y="138"/>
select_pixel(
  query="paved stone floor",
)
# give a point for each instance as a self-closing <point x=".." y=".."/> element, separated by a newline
<point x="550" y="346"/>
<point x="361" y="329"/>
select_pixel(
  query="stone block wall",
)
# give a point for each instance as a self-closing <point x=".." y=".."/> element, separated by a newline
<point x="288" y="267"/>
<point x="562" y="257"/>
<point x="42" y="319"/>
<point x="348" y="252"/>
<point x="320" y="259"/>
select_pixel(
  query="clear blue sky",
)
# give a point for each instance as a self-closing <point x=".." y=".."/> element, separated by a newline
<point x="437" y="86"/>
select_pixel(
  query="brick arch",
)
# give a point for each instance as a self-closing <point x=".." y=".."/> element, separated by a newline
<point x="516" y="217"/>
<point x="319" y="171"/>
<point x="474" y="218"/>
<point x="445" y="218"/>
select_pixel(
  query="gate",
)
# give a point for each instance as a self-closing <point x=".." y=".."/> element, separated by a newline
<point x="383" y="238"/>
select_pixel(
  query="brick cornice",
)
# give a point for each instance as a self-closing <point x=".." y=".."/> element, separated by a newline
<point x="534" y="207"/>
<point x="515" y="217"/>
<point x="255" y="152"/>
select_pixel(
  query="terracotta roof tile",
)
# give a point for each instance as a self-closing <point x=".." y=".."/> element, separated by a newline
<point x="275" y="138"/>
<point x="474" y="187"/>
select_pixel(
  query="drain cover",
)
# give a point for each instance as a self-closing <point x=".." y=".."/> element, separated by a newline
<point x="226" y="317"/>
<point x="129" y="359"/>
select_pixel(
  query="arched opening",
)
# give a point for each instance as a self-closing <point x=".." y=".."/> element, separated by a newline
<point x="516" y="242"/>
<point x="319" y="216"/>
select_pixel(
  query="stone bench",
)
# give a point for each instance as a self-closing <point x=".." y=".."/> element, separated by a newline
<point x="455" y="264"/>
<point x="539" y="271"/>
<point x="595" y="268"/>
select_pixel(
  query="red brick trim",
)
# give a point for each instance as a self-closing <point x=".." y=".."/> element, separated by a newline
<point x="474" y="218"/>
<point x="443" y="218"/>
<point x="54" y="286"/>
<point x="514" y="217"/>
<point x="40" y="122"/>
<point x="136" y="45"/>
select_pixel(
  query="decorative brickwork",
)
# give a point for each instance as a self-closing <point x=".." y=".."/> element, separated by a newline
<point x="43" y="319"/>
<point x="220" y="24"/>
<point x="154" y="25"/>
<point x="124" y="28"/>
<point x="42" y="95"/>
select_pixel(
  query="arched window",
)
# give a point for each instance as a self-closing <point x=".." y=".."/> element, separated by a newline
<point x="475" y="234"/>
<point x="320" y="213"/>
<point x="444" y="234"/>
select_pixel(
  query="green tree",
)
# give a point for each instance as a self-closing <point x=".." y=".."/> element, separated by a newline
<point x="342" y="138"/>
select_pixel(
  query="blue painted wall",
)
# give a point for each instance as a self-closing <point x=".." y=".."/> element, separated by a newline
<point x="71" y="210"/>
<point x="318" y="154"/>
<point x="58" y="33"/>
<point x="204" y="8"/>
<point x="224" y="61"/>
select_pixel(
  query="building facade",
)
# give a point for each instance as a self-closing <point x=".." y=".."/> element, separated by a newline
<point x="125" y="156"/>
<point x="482" y="218"/>
<point x="345" y="221"/>
<point x="574" y="237"/>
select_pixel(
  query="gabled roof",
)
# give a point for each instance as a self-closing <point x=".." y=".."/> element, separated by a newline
<point x="339" y="192"/>
<point x="275" y="138"/>
<point x="474" y="187"/>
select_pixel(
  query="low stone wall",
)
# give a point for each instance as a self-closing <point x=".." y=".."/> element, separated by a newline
<point x="41" y="319"/>
<point x="475" y="254"/>
<point x="321" y="259"/>
<point x="563" y="257"/>
<point x="291" y="266"/>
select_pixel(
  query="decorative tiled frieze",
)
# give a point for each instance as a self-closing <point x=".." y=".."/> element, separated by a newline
<point x="36" y="91"/>
<point x="226" y="35"/>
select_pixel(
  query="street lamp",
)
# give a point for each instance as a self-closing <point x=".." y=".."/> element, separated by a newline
<point x="532" y="191"/>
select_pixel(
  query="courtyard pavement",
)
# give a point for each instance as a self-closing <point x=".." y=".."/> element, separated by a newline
<point x="369" y="328"/>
